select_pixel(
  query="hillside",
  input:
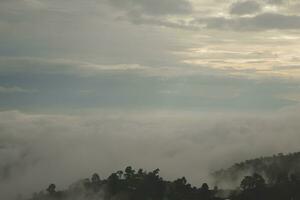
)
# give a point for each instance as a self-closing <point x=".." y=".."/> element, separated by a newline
<point x="264" y="178"/>
<point x="276" y="168"/>
<point x="128" y="185"/>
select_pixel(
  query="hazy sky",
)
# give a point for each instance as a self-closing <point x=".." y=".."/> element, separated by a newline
<point x="196" y="84"/>
<point x="61" y="55"/>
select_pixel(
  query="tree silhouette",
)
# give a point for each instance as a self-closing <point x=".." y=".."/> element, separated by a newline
<point x="51" y="189"/>
<point x="142" y="185"/>
<point x="252" y="182"/>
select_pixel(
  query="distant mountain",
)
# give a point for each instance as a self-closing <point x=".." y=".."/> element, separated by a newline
<point x="275" y="169"/>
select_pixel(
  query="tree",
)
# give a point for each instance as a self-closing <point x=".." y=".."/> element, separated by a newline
<point x="95" y="178"/>
<point x="252" y="182"/>
<point x="96" y="182"/>
<point x="51" y="189"/>
<point x="129" y="172"/>
<point x="204" y="187"/>
<point x="114" y="184"/>
<point x="259" y="181"/>
<point x="205" y="193"/>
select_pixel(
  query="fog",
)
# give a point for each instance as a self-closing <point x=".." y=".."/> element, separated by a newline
<point x="36" y="150"/>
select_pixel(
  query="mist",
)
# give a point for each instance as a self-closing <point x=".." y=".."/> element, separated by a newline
<point x="37" y="150"/>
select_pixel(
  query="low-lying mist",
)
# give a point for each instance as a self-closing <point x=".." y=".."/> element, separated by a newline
<point x="36" y="150"/>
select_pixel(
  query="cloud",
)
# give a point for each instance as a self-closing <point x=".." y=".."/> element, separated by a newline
<point x="154" y="13"/>
<point x="245" y="7"/>
<point x="244" y="16"/>
<point x="260" y="22"/>
<point x="15" y="89"/>
<point x="35" y="65"/>
<point x="176" y="14"/>
<point x="59" y="66"/>
<point x="40" y="149"/>
<point x="138" y="19"/>
<point x="275" y="2"/>
<point x="240" y="21"/>
<point x="154" y="7"/>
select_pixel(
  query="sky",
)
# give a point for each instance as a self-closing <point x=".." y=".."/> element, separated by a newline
<point x="62" y="56"/>
<point x="117" y="76"/>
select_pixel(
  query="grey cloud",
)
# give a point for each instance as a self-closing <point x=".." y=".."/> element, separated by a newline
<point x="259" y="22"/>
<point x="245" y="7"/>
<point x="276" y="2"/>
<point x="238" y="22"/>
<point x="15" y="89"/>
<point x="138" y="19"/>
<point x="59" y="66"/>
<point x="287" y="67"/>
<point x="153" y="12"/>
<point x="154" y="7"/>
<point x="265" y="21"/>
<point x="35" y="65"/>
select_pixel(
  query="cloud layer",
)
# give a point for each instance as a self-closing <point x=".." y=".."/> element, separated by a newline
<point x="265" y="21"/>
<point x="15" y="89"/>
<point x="155" y="7"/>
<point x="244" y="7"/>
<point x="41" y="149"/>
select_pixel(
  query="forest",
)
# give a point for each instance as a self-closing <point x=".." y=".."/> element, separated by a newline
<point x="268" y="178"/>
